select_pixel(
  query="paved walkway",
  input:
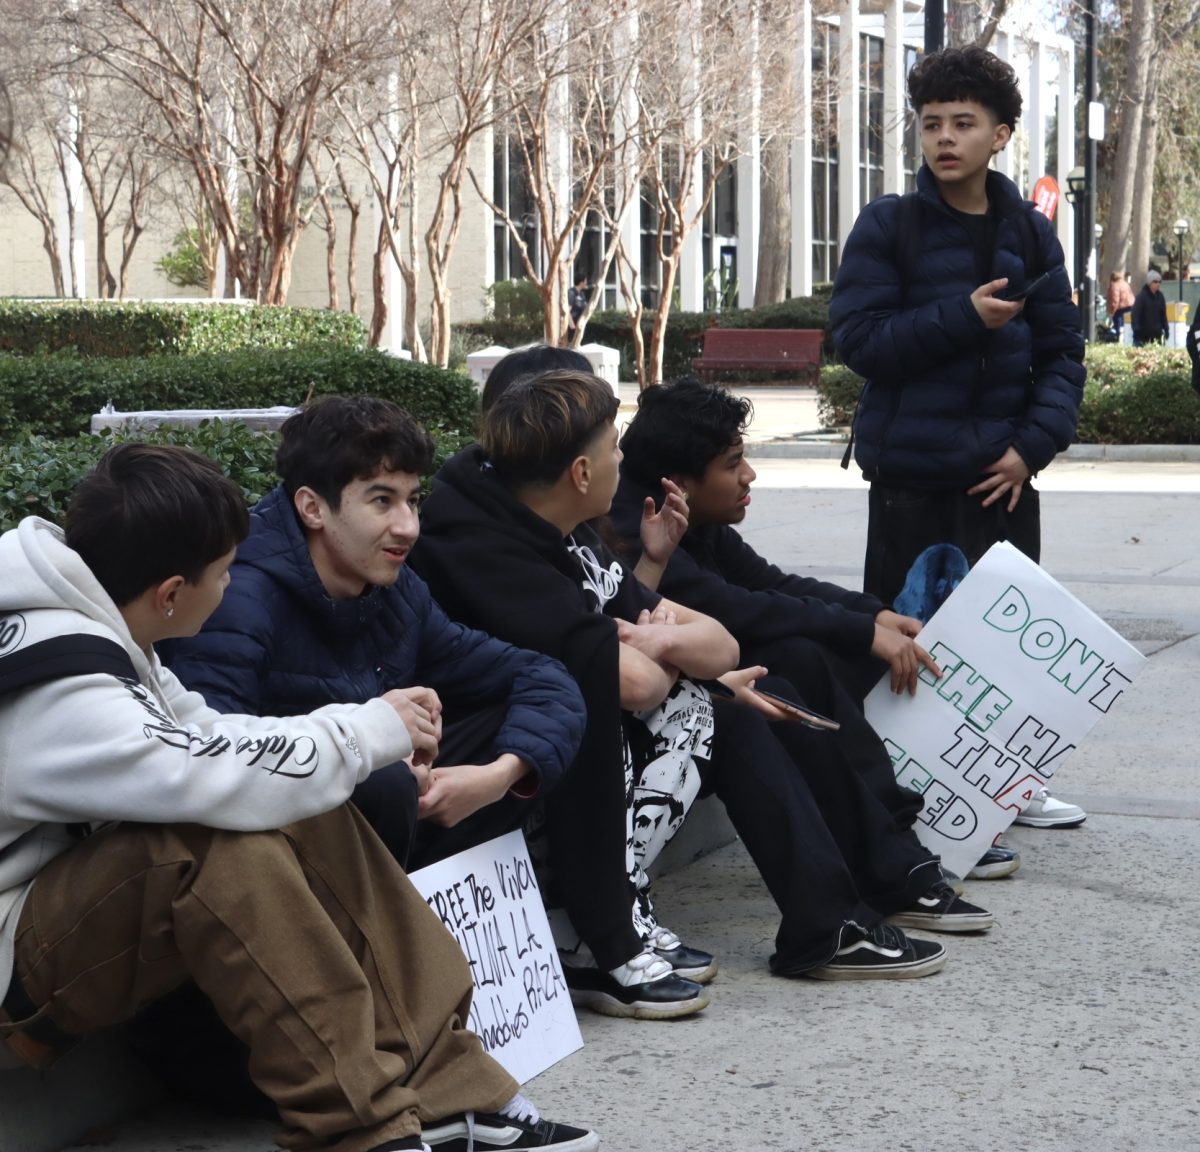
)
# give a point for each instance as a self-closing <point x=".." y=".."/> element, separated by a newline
<point x="1072" y="1026"/>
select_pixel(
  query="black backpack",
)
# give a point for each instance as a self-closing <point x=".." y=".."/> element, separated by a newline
<point x="58" y="657"/>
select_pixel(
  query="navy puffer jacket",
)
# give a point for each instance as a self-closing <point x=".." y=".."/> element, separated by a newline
<point x="946" y="397"/>
<point x="278" y="645"/>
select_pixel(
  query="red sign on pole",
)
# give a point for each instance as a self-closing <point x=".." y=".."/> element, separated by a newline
<point x="1045" y="196"/>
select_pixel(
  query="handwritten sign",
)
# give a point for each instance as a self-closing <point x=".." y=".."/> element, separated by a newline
<point x="1027" y="671"/>
<point x="490" y="903"/>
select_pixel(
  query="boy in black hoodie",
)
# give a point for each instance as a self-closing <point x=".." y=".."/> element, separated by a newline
<point x="506" y="545"/>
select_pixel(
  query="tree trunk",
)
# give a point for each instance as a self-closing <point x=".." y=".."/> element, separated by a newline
<point x="1143" y="210"/>
<point x="775" y="225"/>
<point x="352" y="257"/>
<point x="962" y="23"/>
<point x="1128" y="180"/>
<point x="130" y="235"/>
<point x="379" y="304"/>
<point x="106" y="282"/>
<point x="658" y="331"/>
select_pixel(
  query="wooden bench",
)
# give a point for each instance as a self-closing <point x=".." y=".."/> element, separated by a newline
<point x="796" y="350"/>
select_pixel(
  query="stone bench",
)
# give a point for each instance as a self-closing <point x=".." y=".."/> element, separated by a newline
<point x="258" y="419"/>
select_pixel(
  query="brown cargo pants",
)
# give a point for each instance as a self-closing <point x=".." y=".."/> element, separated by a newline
<point x="312" y="945"/>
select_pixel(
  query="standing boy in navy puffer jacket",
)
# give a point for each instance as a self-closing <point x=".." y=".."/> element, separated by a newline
<point x="970" y="391"/>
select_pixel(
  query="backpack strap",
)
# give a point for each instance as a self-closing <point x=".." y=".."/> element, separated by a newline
<point x="62" y="656"/>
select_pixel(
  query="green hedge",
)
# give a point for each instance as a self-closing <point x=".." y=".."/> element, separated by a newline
<point x="1132" y="396"/>
<point x="57" y="395"/>
<point x="38" y="474"/>
<point x="102" y="328"/>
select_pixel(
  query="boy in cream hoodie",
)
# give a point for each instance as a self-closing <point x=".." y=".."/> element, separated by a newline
<point x="147" y="840"/>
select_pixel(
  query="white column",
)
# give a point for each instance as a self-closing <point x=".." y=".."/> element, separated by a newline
<point x="849" y="120"/>
<point x="392" y="337"/>
<point x="1002" y="47"/>
<point x="802" y="222"/>
<point x="625" y="163"/>
<point x="749" y="166"/>
<point x="1035" y="121"/>
<point x="1065" y="217"/>
<point x="691" y="259"/>
<point x="893" y="97"/>
<point x="558" y="132"/>
<point x="486" y="144"/>
<point x="226" y="148"/>
<point x="70" y="198"/>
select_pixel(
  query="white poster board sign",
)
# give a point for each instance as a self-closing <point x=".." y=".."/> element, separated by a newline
<point x="491" y="904"/>
<point x="1026" y="671"/>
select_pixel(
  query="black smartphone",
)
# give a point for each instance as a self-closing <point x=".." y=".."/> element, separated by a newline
<point x="1030" y="287"/>
<point x="801" y="713"/>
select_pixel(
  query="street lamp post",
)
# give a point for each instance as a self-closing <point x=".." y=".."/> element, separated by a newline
<point x="1182" y="228"/>
<point x="1077" y="197"/>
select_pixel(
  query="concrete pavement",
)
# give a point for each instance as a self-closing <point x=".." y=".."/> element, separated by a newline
<point x="1071" y="1026"/>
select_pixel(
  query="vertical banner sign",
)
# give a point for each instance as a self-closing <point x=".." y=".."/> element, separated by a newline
<point x="490" y="903"/>
<point x="1045" y="196"/>
<point x="1026" y="671"/>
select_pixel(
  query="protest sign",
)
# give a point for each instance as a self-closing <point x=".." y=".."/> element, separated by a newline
<point x="1027" y="670"/>
<point x="490" y="903"/>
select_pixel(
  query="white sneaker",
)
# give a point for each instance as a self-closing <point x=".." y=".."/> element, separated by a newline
<point x="1046" y="812"/>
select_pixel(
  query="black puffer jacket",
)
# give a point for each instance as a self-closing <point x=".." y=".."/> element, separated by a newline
<point x="945" y="396"/>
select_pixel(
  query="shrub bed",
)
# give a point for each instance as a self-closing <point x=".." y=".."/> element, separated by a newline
<point x="1132" y="396"/>
<point x="110" y="328"/>
<point x="57" y="395"/>
<point x="38" y="474"/>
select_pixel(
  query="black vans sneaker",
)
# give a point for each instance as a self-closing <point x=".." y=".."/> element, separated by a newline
<point x="518" y="1126"/>
<point x="881" y="953"/>
<point x="644" y="988"/>
<point x="690" y="963"/>
<point x="939" y="910"/>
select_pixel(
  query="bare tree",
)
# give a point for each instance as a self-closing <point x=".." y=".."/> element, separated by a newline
<point x="241" y="103"/>
<point x="562" y="87"/>
<point x="694" y="113"/>
<point x="381" y="119"/>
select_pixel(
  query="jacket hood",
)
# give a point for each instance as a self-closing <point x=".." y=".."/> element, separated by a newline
<point x="41" y="574"/>
<point x="470" y="496"/>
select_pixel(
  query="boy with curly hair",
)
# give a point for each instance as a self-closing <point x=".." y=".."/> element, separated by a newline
<point x="972" y="386"/>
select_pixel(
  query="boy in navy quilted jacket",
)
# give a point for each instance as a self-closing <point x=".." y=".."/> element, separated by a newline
<point x="973" y="386"/>
<point x="324" y="609"/>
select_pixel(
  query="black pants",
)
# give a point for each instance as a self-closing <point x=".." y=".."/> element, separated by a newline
<point x="903" y="522"/>
<point x="828" y="851"/>
<point x="836" y="687"/>
<point x="388" y="798"/>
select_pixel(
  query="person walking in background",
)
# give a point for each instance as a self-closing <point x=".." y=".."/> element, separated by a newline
<point x="1150" y="312"/>
<point x="1120" y="300"/>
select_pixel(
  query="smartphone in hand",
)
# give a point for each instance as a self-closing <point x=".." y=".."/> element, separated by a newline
<point x="1031" y="286"/>
<point x="801" y="713"/>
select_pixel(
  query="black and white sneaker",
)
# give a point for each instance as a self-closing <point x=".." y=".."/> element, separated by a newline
<point x="955" y="881"/>
<point x="999" y="860"/>
<point x="881" y="953"/>
<point x="644" y="988"/>
<point x="517" y="1126"/>
<point x="939" y="910"/>
<point x="690" y="963"/>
